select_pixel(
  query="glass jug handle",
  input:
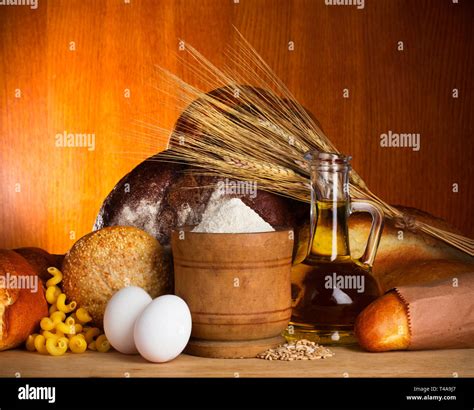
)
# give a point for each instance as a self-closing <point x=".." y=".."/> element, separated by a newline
<point x="359" y="205"/>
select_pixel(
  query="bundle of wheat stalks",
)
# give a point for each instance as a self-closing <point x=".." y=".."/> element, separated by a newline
<point x="262" y="138"/>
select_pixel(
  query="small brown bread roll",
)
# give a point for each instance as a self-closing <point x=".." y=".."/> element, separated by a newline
<point x="105" y="261"/>
<point x="22" y="301"/>
<point x="383" y="325"/>
<point x="41" y="260"/>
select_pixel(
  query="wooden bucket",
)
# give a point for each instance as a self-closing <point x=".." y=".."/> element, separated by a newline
<point x="237" y="287"/>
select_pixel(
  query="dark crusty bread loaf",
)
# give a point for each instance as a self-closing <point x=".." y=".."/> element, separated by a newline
<point x="158" y="196"/>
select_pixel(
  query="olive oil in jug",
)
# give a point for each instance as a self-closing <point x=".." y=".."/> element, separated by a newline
<point x="330" y="288"/>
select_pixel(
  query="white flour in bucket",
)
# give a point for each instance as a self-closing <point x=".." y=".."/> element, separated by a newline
<point x="231" y="216"/>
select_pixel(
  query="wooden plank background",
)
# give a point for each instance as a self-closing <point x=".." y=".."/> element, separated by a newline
<point x="50" y="195"/>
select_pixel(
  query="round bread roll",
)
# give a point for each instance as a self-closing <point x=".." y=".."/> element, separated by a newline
<point x="22" y="300"/>
<point x="105" y="261"/>
<point x="383" y="325"/>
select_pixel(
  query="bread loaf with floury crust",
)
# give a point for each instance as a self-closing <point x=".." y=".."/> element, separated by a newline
<point x="157" y="196"/>
<point x="22" y="300"/>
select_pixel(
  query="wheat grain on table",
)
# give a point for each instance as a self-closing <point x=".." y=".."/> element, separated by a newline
<point x="347" y="362"/>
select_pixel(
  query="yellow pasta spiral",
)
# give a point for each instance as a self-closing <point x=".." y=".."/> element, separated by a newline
<point x="57" y="346"/>
<point x="65" y="328"/>
<point x="52" y="293"/>
<point x="61" y="304"/>
<point x="53" y="308"/>
<point x="102" y="344"/>
<point x="57" y="276"/>
<point x="40" y="344"/>
<point x="78" y="344"/>
<point x="60" y="333"/>
<point x="83" y="316"/>
<point x="91" y="334"/>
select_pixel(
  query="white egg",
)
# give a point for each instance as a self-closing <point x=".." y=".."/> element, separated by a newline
<point x="163" y="329"/>
<point x="120" y="316"/>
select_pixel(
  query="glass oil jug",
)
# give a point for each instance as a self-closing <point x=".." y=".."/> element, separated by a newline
<point x="330" y="288"/>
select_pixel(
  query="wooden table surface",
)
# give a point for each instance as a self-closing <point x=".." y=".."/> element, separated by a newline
<point x="347" y="362"/>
